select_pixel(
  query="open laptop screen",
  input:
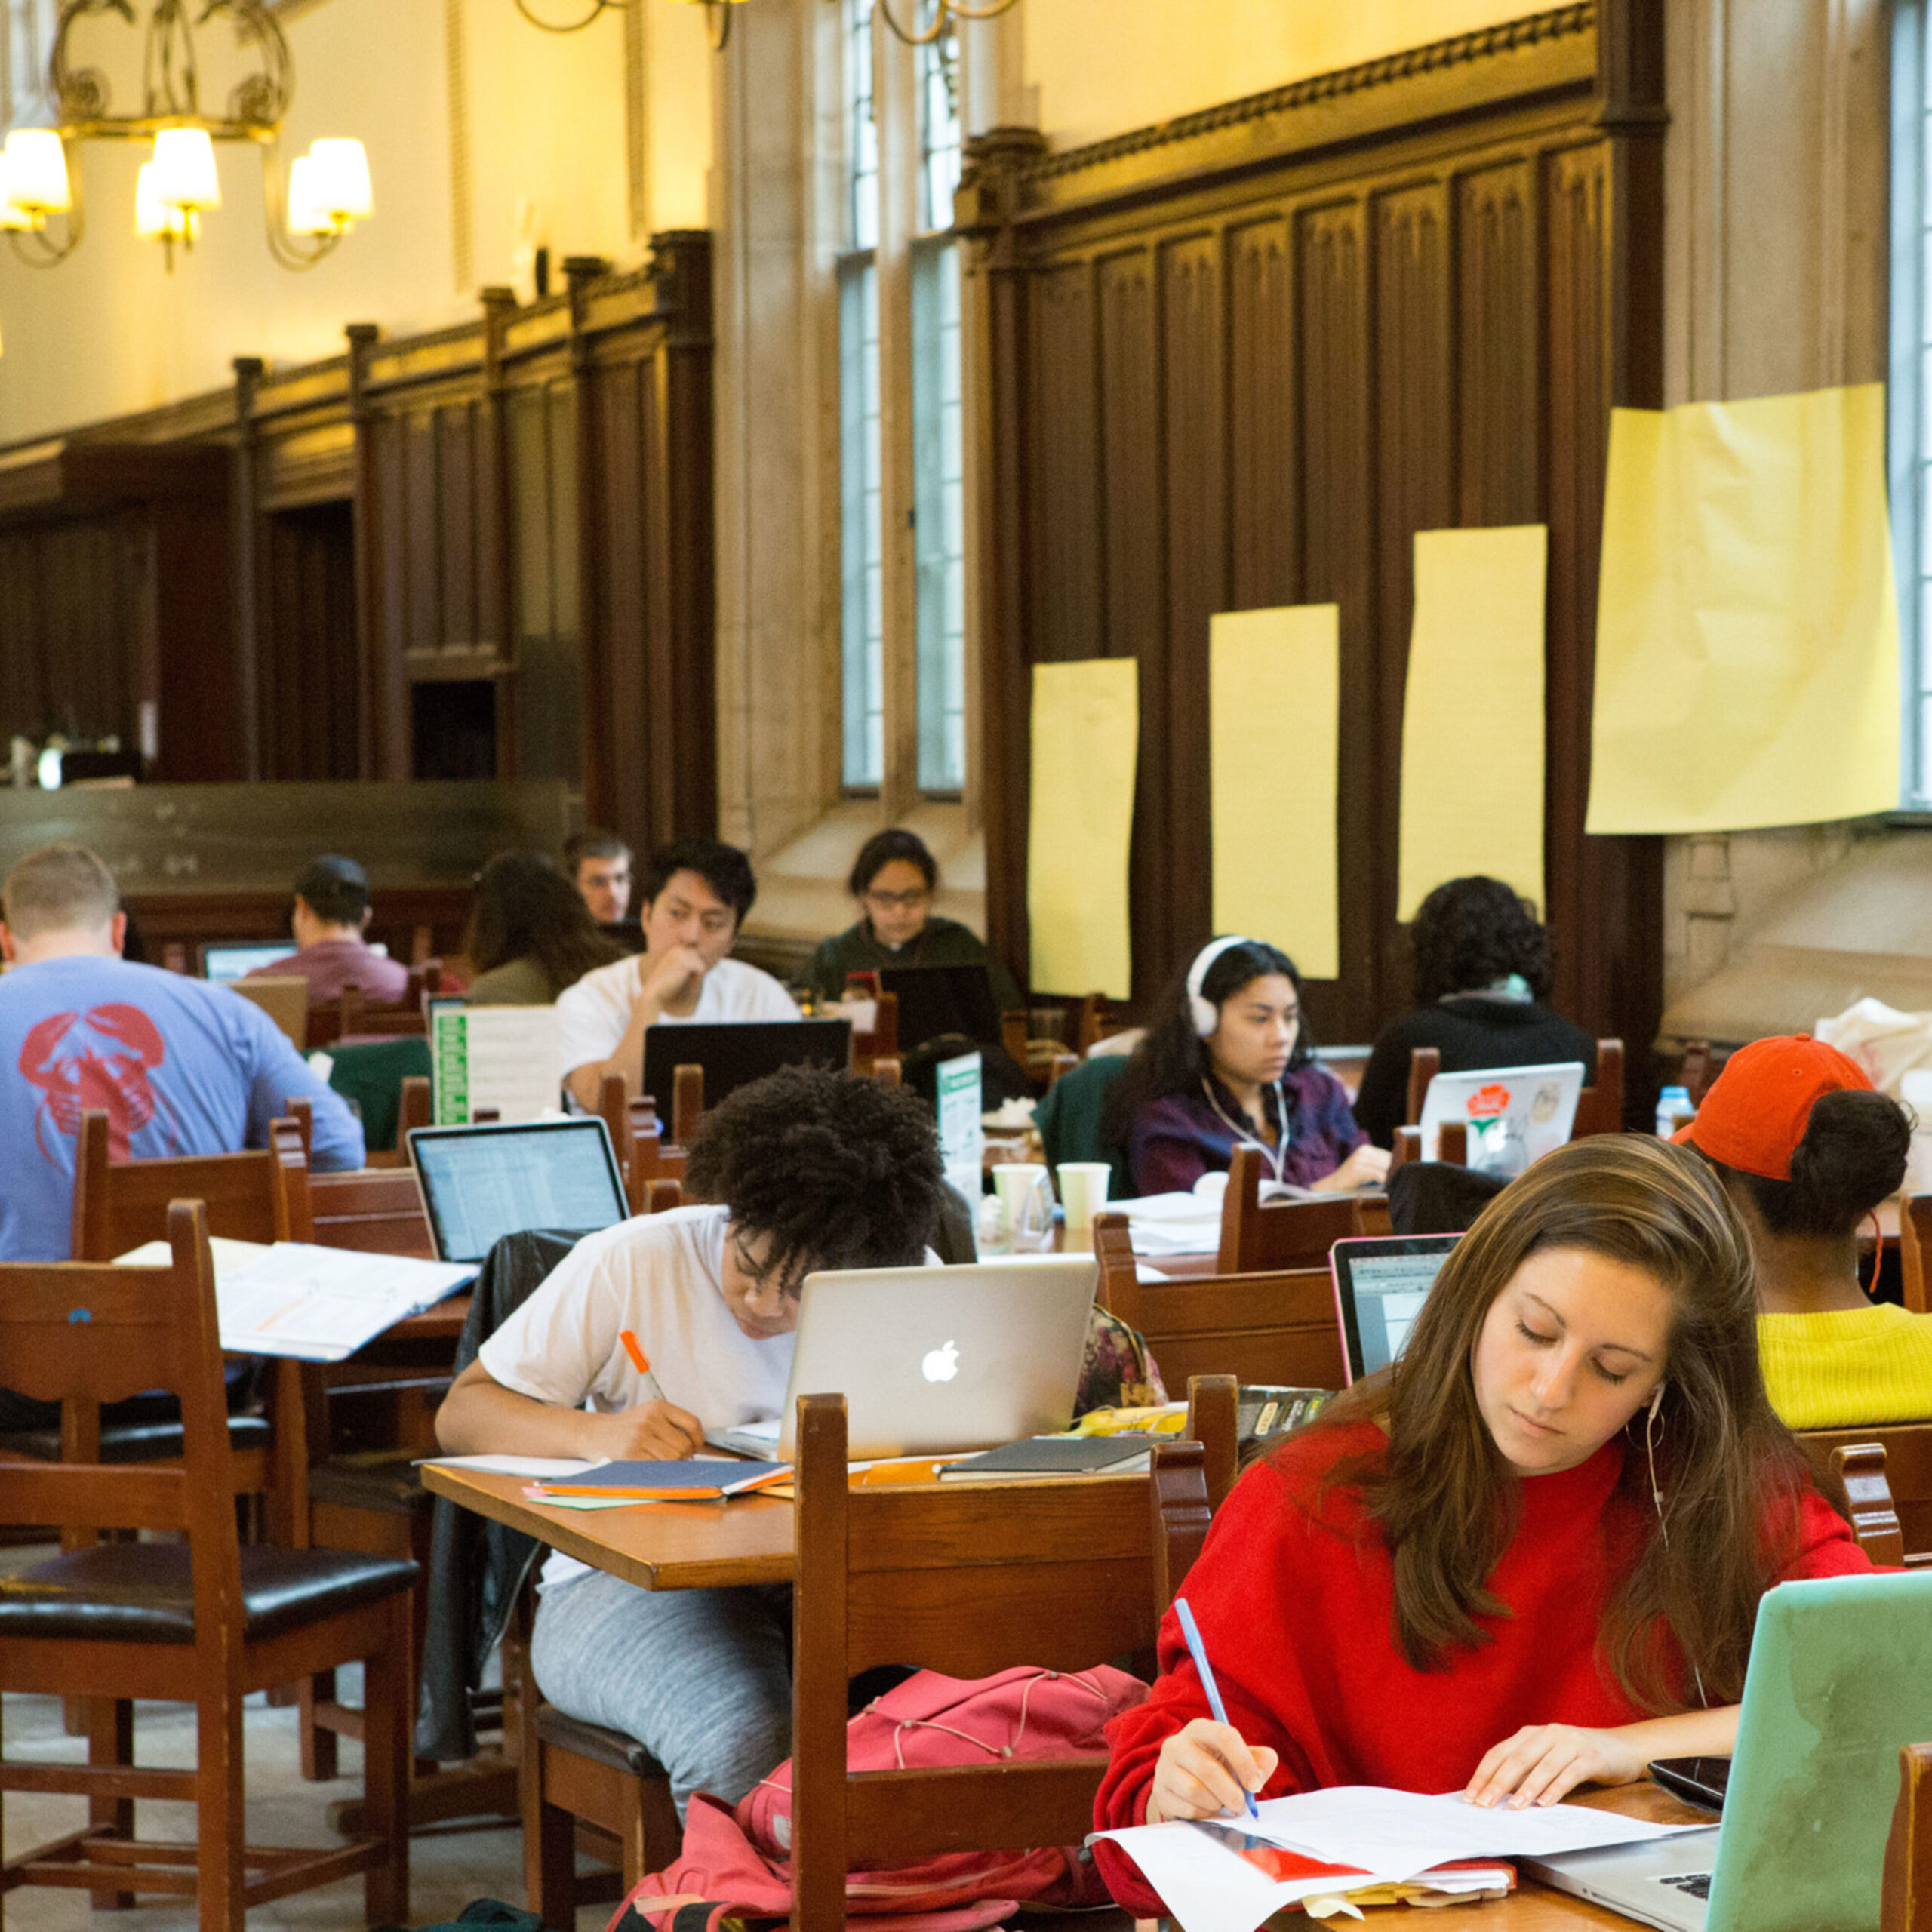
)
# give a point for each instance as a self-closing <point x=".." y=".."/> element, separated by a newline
<point x="936" y="1000"/>
<point x="733" y="1053"/>
<point x="480" y="1184"/>
<point x="1380" y="1285"/>
<point x="223" y="960"/>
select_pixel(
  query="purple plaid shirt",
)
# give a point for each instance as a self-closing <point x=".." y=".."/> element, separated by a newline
<point x="1179" y="1138"/>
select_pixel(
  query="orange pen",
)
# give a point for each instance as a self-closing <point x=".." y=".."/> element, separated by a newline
<point x="635" y="1349"/>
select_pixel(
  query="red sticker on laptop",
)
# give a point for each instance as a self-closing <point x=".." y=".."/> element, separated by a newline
<point x="1486" y="1102"/>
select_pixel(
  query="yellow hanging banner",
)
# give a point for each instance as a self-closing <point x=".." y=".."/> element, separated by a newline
<point x="1085" y="749"/>
<point x="1472" y="718"/>
<point x="1747" y="663"/>
<point x="1273" y="695"/>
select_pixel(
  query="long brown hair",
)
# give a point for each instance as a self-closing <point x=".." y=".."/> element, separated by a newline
<point x="525" y="908"/>
<point x="1730" y="1474"/>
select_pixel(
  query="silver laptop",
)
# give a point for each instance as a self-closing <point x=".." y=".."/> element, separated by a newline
<point x="1515" y="1115"/>
<point x="1381" y="1282"/>
<point x="931" y="1360"/>
<point x="1840" y="1677"/>
<point x="480" y="1184"/>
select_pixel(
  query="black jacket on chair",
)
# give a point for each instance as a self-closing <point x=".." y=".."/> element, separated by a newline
<point x="477" y="1567"/>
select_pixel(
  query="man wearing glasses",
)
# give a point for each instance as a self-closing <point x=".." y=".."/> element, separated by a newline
<point x="893" y="880"/>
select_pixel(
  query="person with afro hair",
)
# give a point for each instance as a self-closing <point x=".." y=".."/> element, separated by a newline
<point x="1482" y="972"/>
<point x="807" y="1169"/>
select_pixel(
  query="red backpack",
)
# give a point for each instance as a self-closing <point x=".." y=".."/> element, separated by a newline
<point x="737" y="1864"/>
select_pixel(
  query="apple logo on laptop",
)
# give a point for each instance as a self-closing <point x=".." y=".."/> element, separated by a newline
<point x="940" y="1365"/>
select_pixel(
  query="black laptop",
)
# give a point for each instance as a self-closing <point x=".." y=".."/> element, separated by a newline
<point x="942" y="1000"/>
<point x="735" y="1053"/>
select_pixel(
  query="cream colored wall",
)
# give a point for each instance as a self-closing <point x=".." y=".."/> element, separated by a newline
<point x="1103" y="67"/>
<point x="538" y="149"/>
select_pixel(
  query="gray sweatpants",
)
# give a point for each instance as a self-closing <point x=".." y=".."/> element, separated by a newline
<point x="701" y="1678"/>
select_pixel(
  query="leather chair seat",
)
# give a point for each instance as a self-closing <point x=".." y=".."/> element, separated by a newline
<point x="141" y="1592"/>
<point x="134" y="1441"/>
<point x="594" y="1741"/>
<point x="390" y="1484"/>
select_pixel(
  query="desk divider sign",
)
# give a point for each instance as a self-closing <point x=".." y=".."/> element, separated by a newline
<point x="508" y="1057"/>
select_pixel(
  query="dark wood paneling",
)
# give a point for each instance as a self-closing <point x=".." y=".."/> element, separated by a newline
<point x="1398" y="298"/>
<point x="1264" y="509"/>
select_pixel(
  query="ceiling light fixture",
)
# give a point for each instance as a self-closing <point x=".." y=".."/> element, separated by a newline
<point x="328" y="191"/>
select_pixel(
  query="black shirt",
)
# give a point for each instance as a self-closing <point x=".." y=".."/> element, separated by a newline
<point x="1471" y="1031"/>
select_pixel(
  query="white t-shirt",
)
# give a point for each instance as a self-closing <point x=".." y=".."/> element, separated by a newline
<point x="661" y="1277"/>
<point x="593" y="1014"/>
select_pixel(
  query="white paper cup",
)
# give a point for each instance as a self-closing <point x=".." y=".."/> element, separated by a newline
<point x="1083" y="1190"/>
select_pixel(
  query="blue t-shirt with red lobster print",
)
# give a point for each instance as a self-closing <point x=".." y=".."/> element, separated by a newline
<point x="179" y="1066"/>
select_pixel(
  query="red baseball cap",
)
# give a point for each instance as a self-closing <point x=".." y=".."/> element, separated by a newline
<point x="1759" y="1107"/>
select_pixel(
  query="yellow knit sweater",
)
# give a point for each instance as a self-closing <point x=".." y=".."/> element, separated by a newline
<point x="1848" y="1367"/>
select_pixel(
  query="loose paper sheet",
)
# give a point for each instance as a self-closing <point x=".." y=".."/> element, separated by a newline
<point x="1274" y="701"/>
<point x="1086" y="744"/>
<point x="508" y="1057"/>
<point x="1472" y="721"/>
<point x="1747" y="620"/>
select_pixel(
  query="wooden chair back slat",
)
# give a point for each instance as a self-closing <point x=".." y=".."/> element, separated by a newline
<point x="1915" y="1251"/>
<point x="615" y="1108"/>
<point x="1860" y="1467"/>
<point x="95" y="1496"/>
<point x="1279" y="1234"/>
<point x="1407" y="1145"/>
<point x="1265" y="1326"/>
<point x="120" y="1205"/>
<point x="1182" y="1505"/>
<point x="1425" y="1064"/>
<point x="1213" y="1420"/>
<point x="1452" y="1143"/>
<point x="1906" y="1889"/>
<point x="662" y="1196"/>
<point x="416" y="1108"/>
<point x="1062" y="1575"/>
<point x="888" y="1070"/>
<point x="375" y="1210"/>
<point x="687" y="1102"/>
<point x="1600" y="1105"/>
<point x="1907" y="1474"/>
<point x="284" y="998"/>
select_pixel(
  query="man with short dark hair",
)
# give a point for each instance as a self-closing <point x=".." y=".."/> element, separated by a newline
<point x="179" y="1066"/>
<point x="598" y="864"/>
<point x="695" y="895"/>
<point x="331" y="915"/>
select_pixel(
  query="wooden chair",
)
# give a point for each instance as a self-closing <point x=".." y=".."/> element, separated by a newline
<point x="204" y="1621"/>
<point x="1063" y="1576"/>
<point x="285" y="999"/>
<point x="1904" y="1465"/>
<point x="687" y="1102"/>
<point x="1263" y="1326"/>
<point x="1915" y="1248"/>
<point x="1905" y="1892"/>
<point x="883" y="1040"/>
<point x="352" y="1016"/>
<point x="1283" y="1234"/>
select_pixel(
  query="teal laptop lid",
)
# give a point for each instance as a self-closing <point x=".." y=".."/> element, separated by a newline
<point x="1841" y="1678"/>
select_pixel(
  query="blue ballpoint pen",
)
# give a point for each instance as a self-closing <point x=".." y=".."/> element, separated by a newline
<point x="1198" y="1650"/>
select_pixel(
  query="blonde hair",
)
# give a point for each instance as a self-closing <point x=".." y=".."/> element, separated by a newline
<point x="58" y="887"/>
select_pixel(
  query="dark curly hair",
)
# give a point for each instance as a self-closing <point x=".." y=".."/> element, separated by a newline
<point x="525" y="908"/>
<point x="1173" y="1058"/>
<point x="839" y="1171"/>
<point x="1853" y="1156"/>
<point x="1471" y="932"/>
<point x="881" y="848"/>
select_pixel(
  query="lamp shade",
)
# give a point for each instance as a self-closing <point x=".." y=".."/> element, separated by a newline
<point x="184" y="170"/>
<point x="154" y="220"/>
<point x="35" y="176"/>
<point x="341" y="172"/>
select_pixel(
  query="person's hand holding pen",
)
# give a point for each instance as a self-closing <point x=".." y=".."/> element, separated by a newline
<point x="1206" y="1768"/>
<point x="655" y="1431"/>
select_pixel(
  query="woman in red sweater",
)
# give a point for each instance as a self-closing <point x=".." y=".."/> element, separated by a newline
<point x="1528" y="1556"/>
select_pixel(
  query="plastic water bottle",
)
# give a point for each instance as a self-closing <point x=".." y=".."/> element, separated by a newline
<point x="1672" y="1102"/>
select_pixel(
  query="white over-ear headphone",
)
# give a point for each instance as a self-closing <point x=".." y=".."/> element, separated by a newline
<point x="1202" y="1011"/>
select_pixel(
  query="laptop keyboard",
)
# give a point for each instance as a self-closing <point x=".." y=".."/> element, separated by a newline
<point x="1697" y="1883"/>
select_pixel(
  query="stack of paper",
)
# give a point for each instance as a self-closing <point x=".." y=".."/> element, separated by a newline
<point x="315" y="1304"/>
<point x="1172" y="1223"/>
<point x="1363" y="1837"/>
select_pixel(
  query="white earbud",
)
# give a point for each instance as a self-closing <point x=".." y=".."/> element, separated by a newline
<point x="1202" y="1011"/>
<point x="1657" y="1397"/>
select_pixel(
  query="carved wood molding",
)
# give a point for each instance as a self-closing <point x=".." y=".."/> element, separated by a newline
<point x="1551" y="53"/>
